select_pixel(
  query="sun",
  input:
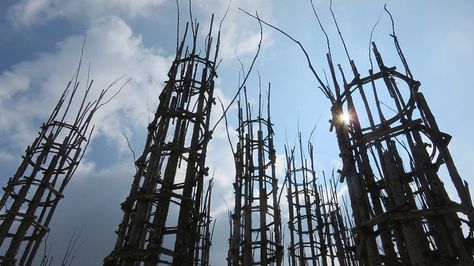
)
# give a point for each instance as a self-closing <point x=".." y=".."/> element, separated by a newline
<point x="345" y="118"/>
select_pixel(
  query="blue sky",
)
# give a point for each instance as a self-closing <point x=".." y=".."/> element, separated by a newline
<point x="40" y="47"/>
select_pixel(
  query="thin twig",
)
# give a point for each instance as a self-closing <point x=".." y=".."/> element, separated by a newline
<point x="246" y="76"/>
<point x="177" y="26"/>
<point x="388" y="107"/>
<point x="397" y="45"/>
<point x="339" y="31"/>
<point x="225" y="202"/>
<point x="130" y="147"/>
<point x="322" y="87"/>
<point x="226" y="126"/>
<point x="321" y="26"/>
<point x="311" y="134"/>
<point x="370" y="41"/>
<point x="116" y="93"/>
<point x="191" y="17"/>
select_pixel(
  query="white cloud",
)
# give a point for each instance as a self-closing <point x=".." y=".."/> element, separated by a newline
<point x="30" y="12"/>
<point x="30" y="89"/>
<point x="240" y="33"/>
<point x="7" y="157"/>
<point x="12" y="83"/>
<point x="92" y="203"/>
<point x="85" y="168"/>
<point x="113" y="50"/>
<point x="280" y="166"/>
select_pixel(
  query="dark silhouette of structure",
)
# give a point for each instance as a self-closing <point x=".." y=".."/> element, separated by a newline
<point x="392" y="159"/>
<point x="256" y="224"/>
<point x="394" y="156"/>
<point x="318" y="231"/>
<point x="206" y="232"/>
<point x="396" y="162"/>
<point x="32" y="195"/>
<point x="163" y="218"/>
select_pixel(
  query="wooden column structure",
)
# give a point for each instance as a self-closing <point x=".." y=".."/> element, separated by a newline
<point x="205" y="230"/>
<point x="396" y="163"/>
<point x="318" y="231"/>
<point x="32" y="194"/>
<point x="256" y="223"/>
<point x="394" y="158"/>
<point x="306" y="241"/>
<point x="162" y="214"/>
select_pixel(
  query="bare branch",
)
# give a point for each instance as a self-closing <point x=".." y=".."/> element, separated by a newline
<point x="226" y="126"/>
<point x="397" y="45"/>
<point x="339" y="32"/>
<point x="371" y="35"/>
<point x="219" y="34"/>
<point x="321" y="26"/>
<point x="116" y="93"/>
<point x="322" y="87"/>
<point x="130" y="147"/>
<point x="246" y="76"/>
<point x="177" y="26"/>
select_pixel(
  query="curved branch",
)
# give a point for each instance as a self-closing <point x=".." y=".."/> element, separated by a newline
<point x="397" y="45"/>
<point x="322" y="87"/>
<point x="219" y="34"/>
<point x="116" y="93"/>
<point x="246" y="76"/>
<point x="321" y="26"/>
<point x="339" y="32"/>
<point x="130" y="147"/>
<point x="370" y="41"/>
<point x="226" y="126"/>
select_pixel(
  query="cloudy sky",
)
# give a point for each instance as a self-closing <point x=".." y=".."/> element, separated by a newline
<point x="40" y="47"/>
